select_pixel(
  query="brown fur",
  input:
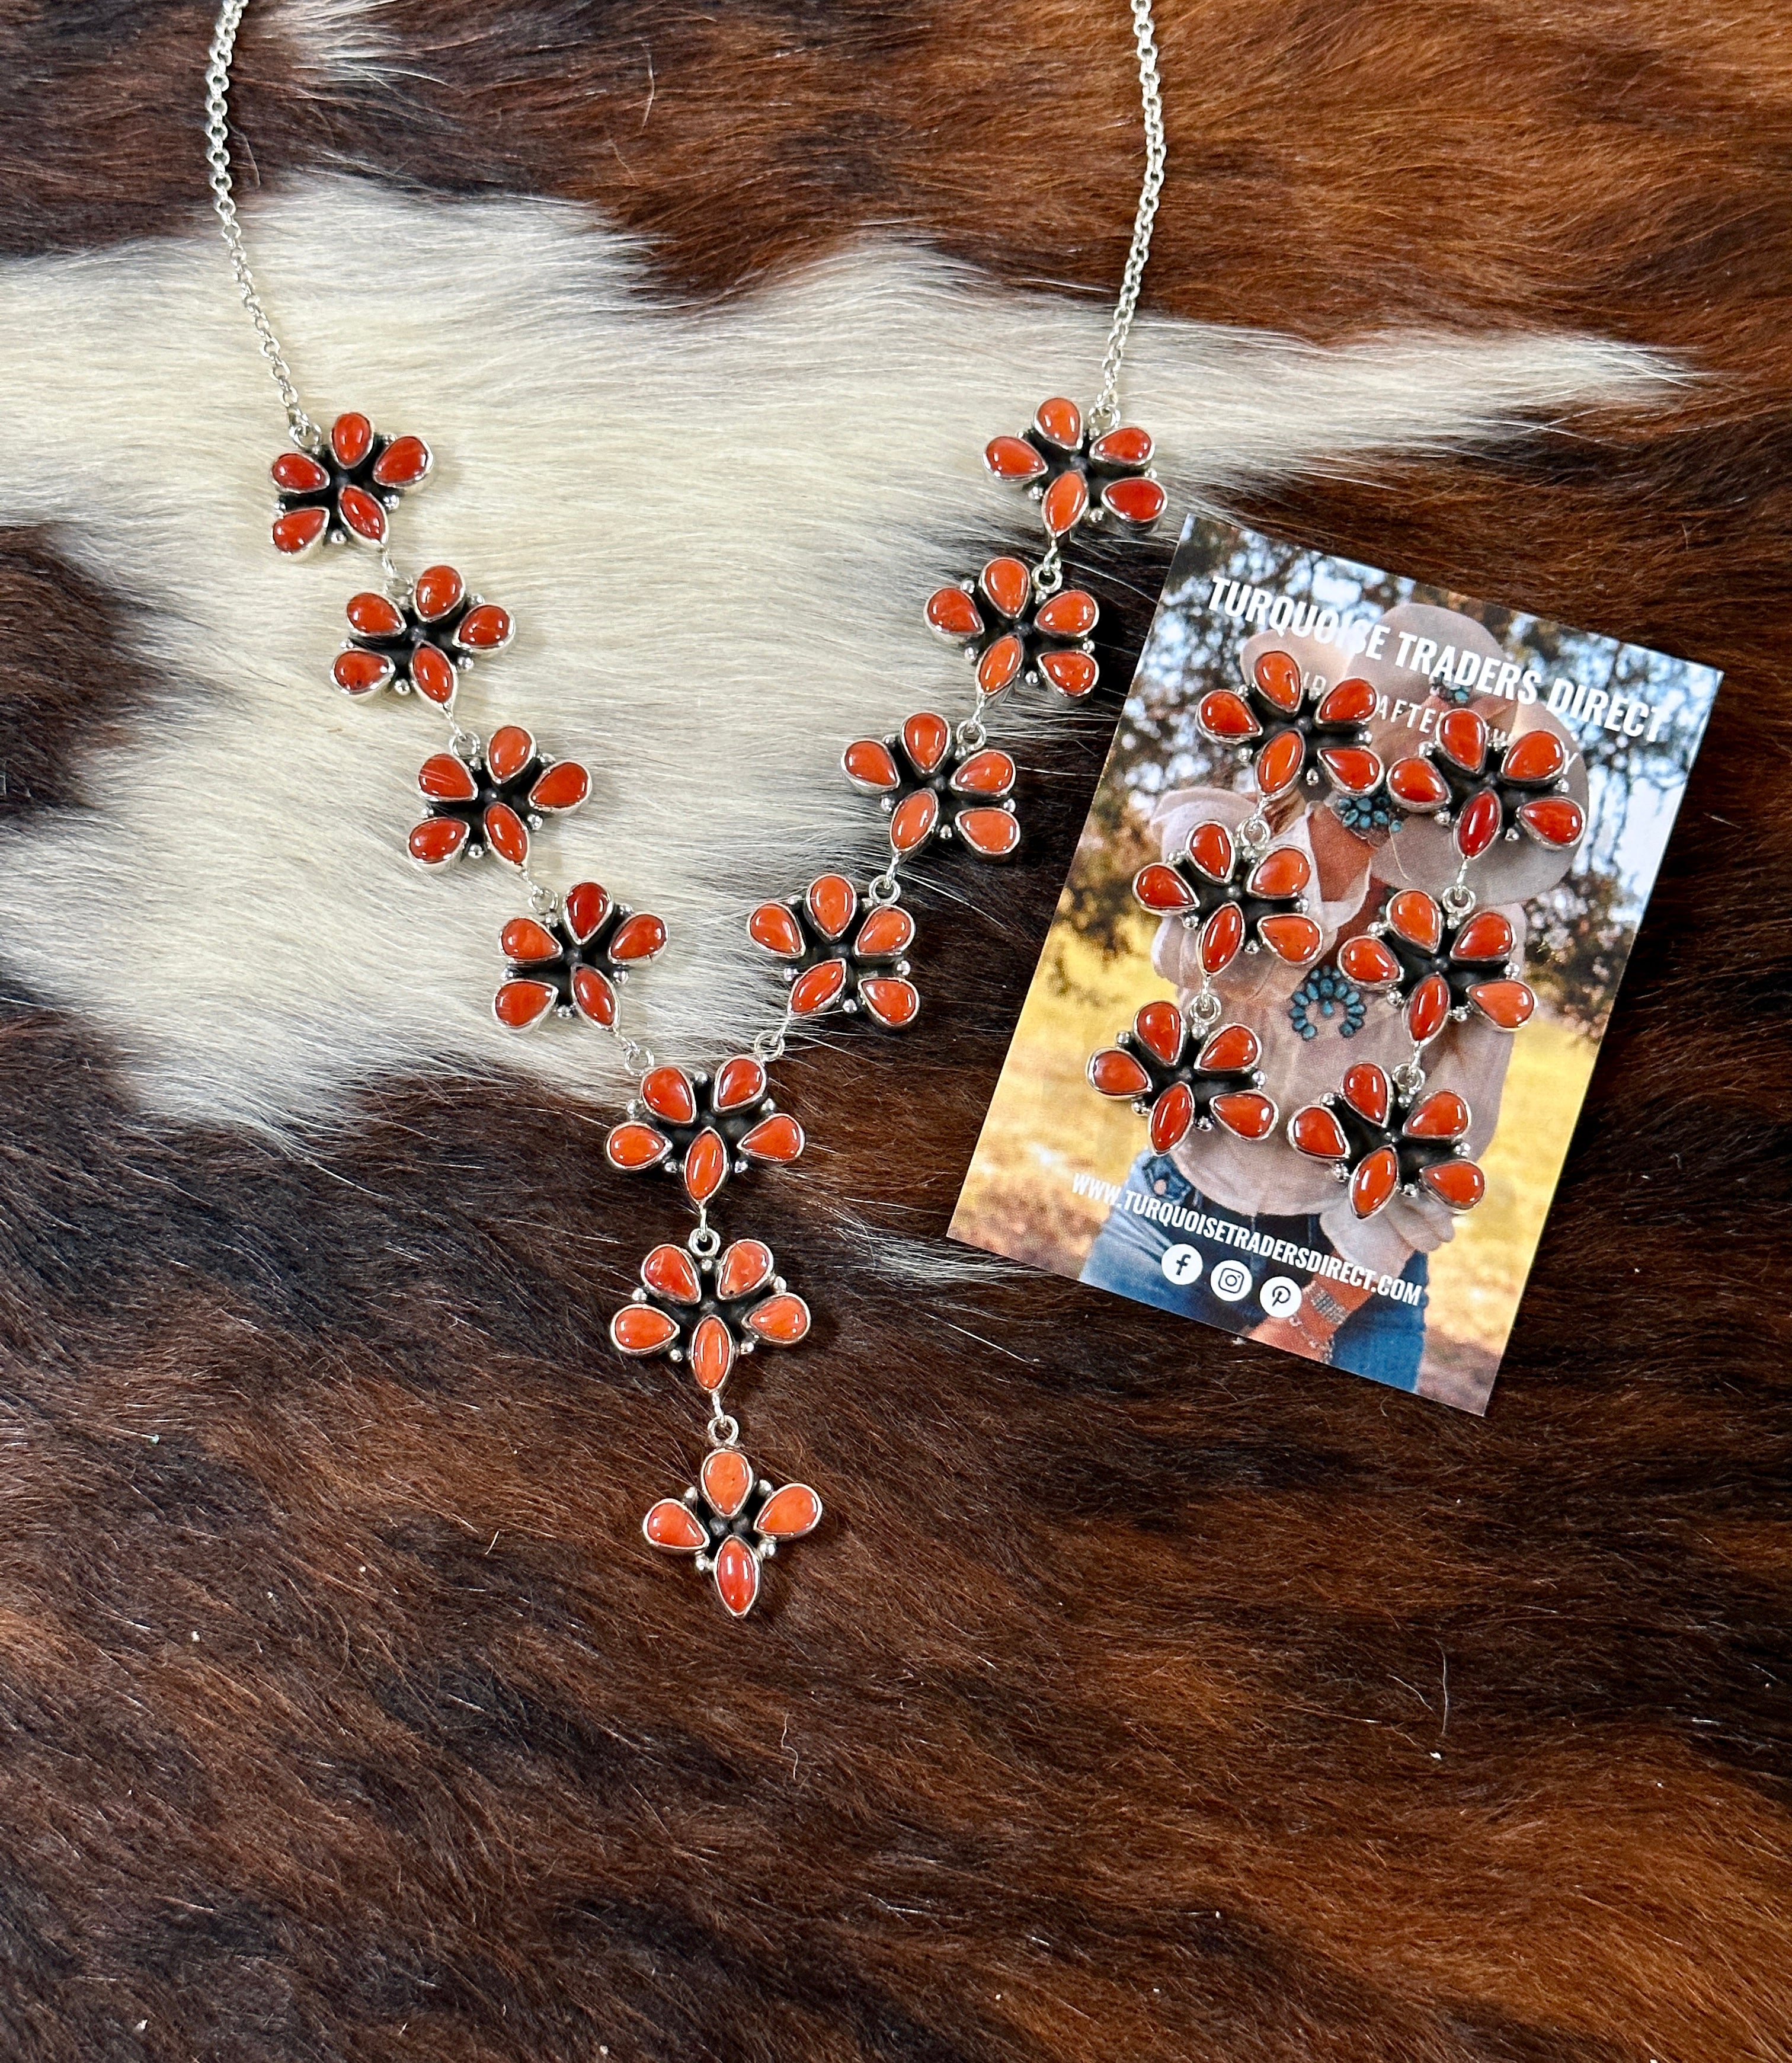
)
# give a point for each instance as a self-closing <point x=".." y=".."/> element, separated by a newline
<point x="1147" y="1696"/>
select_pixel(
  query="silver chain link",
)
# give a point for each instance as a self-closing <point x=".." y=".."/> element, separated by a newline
<point x="218" y="155"/>
<point x="1106" y="413"/>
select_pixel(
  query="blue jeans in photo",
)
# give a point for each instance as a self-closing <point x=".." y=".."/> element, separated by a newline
<point x="1382" y="1340"/>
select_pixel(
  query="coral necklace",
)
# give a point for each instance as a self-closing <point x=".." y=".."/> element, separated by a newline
<point x="844" y="947"/>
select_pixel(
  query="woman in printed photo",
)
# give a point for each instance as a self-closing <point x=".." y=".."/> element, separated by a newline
<point x="1312" y="1023"/>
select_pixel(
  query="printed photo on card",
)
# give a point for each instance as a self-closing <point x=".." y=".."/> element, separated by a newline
<point x="1307" y="1043"/>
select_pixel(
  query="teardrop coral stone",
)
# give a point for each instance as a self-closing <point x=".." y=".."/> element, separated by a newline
<point x="712" y="1353"/>
<point x="891" y="1001"/>
<point x="739" y="1081"/>
<point x="1061" y="421"/>
<point x="524" y="938"/>
<point x="519" y="1004"/>
<point x="668" y="1093"/>
<point x="781" y="1320"/>
<point x="1534" y="755"/>
<point x="746" y="1264"/>
<point x="1413" y="916"/>
<point x="989" y="772"/>
<point x="1479" y="824"/>
<point x="351" y="438"/>
<point x="1350" y="702"/>
<point x="1231" y="1050"/>
<point x="726" y="1479"/>
<point x="774" y="927"/>
<point x="358" y="673"/>
<point x="298" y="472"/>
<point x="1459" y="1184"/>
<point x="1225" y="716"/>
<point x="776" y="1140"/>
<point x="1462" y="736"/>
<point x="507" y="834"/>
<point x="1128" y="445"/>
<point x="1367" y="963"/>
<point x="1487" y="935"/>
<point x="1416" y="784"/>
<point x="1443" y="1114"/>
<point x="437" y="842"/>
<point x="436" y="591"/>
<point x="869" y="765"/>
<point x="1285" y="872"/>
<point x="1162" y="1029"/>
<point x="1138" y="503"/>
<point x="643" y="1328"/>
<point x="362" y="515"/>
<point x="1072" y="673"/>
<point x="925" y="737"/>
<point x="1278" y="677"/>
<point x="564" y="787"/>
<point x="1506" y="1003"/>
<point x="999" y="668"/>
<point x="593" y="997"/>
<point x="1012" y="459"/>
<point x="1221" y="937"/>
<point x="790" y="1513"/>
<point x="1161" y="889"/>
<point x="1067" y="501"/>
<point x="633" y="1147"/>
<point x="1209" y="846"/>
<point x="832" y="904"/>
<point x="1367" y="1091"/>
<point x="672" y="1525"/>
<point x="819" y="989"/>
<point x="402" y="463"/>
<point x="884" y="934"/>
<point x="300" y="529"/>
<point x="1315" y="1131"/>
<point x="953" y="614"/>
<point x="991" y="834"/>
<point x="1427" y="1009"/>
<point x="638" y="938"/>
<point x="1008" y="583"/>
<point x="1354" y="769"/>
<point x="1375" y="1181"/>
<point x="588" y="904"/>
<point x="1114" y="1072"/>
<point x="486" y="629"/>
<point x="706" y="1166"/>
<point x="511" y="749"/>
<point x="737" y="1576"/>
<point x="1171" y="1117"/>
<point x="433" y="676"/>
<point x="1293" y="939"/>
<point x="914" y="821"/>
<point x="1073" y="614"/>
<point x="373" y="615"/>
<point x="671" y="1271"/>
<point x="1244" y="1113"/>
<point x="1556" y="819"/>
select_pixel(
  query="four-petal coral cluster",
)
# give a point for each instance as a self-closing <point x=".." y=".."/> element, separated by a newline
<point x="732" y="1521"/>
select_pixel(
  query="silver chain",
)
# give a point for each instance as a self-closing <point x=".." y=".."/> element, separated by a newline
<point x="1106" y="413"/>
<point x="218" y="156"/>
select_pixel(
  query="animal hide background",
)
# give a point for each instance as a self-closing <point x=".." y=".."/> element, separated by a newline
<point x="1146" y="1695"/>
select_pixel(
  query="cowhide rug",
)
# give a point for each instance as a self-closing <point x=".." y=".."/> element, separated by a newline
<point x="1147" y="1696"/>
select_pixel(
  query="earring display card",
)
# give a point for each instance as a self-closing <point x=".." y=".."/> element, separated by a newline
<point x="1305" y="1047"/>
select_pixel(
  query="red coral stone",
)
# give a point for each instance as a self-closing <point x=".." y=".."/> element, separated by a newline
<point x="1012" y="459"/>
<point x="1138" y="503"/>
<point x="745" y="1265"/>
<point x="890" y="1001"/>
<point x="511" y="749"/>
<point x="1128" y="445"/>
<point x="772" y="927"/>
<point x="523" y="938"/>
<point x="1506" y="1003"/>
<point x="775" y="1140"/>
<point x="633" y="1147"/>
<point x="351" y="438"/>
<point x="1221" y="937"/>
<point x="926" y="738"/>
<point x="1479" y="824"/>
<point x="564" y="787"/>
<point x="737" y="1576"/>
<point x="1416" y="784"/>
<point x="1459" y="1184"/>
<point x="1427" y="1009"/>
<point x="1487" y="935"/>
<point x="507" y="834"/>
<point x="362" y="516"/>
<point x="870" y="766"/>
<point x="832" y="904"/>
<point x="297" y="532"/>
<point x="1161" y="1028"/>
<point x="819" y="989"/>
<point x="953" y="614"/>
<point x="712" y="1353"/>
<point x="1534" y="755"/>
<point x="1353" y="768"/>
<point x="668" y="1093"/>
<point x="593" y="997"/>
<point x="884" y="934"/>
<point x="1209" y="848"/>
<point x="726" y="1478"/>
<point x="991" y="834"/>
<point x="1289" y="938"/>
<point x="671" y="1270"/>
<point x="1072" y="673"/>
<point x="986" y="773"/>
<point x="298" y="472"/>
<point x="705" y="1165"/>
<point x="1067" y="501"/>
<point x="437" y="842"/>
<point x="1073" y="614"/>
<point x="403" y="462"/>
<point x="1367" y="963"/>
<point x="999" y="668"/>
<point x="433" y="676"/>
<point x="1280" y="764"/>
<point x="1161" y="889"/>
<point x="1315" y="1131"/>
<point x="916" y="818"/>
<point x="738" y="1082"/>
<point x="486" y="629"/>
<point x="638" y="938"/>
<point x="1413" y="916"/>
<point x="672" y="1525"/>
<point x="1367" y="1091"/>
<point x="1061" y="421"/>
<point x="642" y="1328"/>
<point x="443" y="778"/>
<point x="588" y="904"/>
<point x="1375" y="1181"/>
<point x="374" y="615"/>
<point x="1172" y="1116"/>
<point x="1462" y="737"/>
<point x="781" y="1320"/>
<point x="1244" y="1113"/>
<point x="519" y="1004"/>
<point x="1008" y="584"/>
<point x="1350" y="702"/>
<point x="1556" y="820"/>
<point x="1285" y="872"/>
<point x="436" y="590"/>
<point x="1226" y="718"/>
<point x="790" y="1513"/>
<point x="1443" y="1114"/>
<point x="1114" y="1072"/>
<point x="358" y="673"/>
<point x="1277" y="675"/>
<point x="1230" y="1050"/>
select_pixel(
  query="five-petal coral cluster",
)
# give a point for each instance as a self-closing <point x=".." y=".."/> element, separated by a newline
<point x="935" y="785"/>
<point x="708" y="1310"/>
<point x="423" y="642"/>
<point x="1292" y="737"/>
<point x="342" y="490"/>
<point x="1386" y="1141"/>
<point x="1077" y="476"/>
<point x="492" y="800"/>
<point x="1014" y="632"/>
<point x="704" y="1128"/>
<point x="1181" y="1086"/>
<point x="1523" y="792"/>
<point x="831" y="966"/>
<point x="1235" y="899"/>
<point x="1437" y="968"/>
<point x="570" y="959"/>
